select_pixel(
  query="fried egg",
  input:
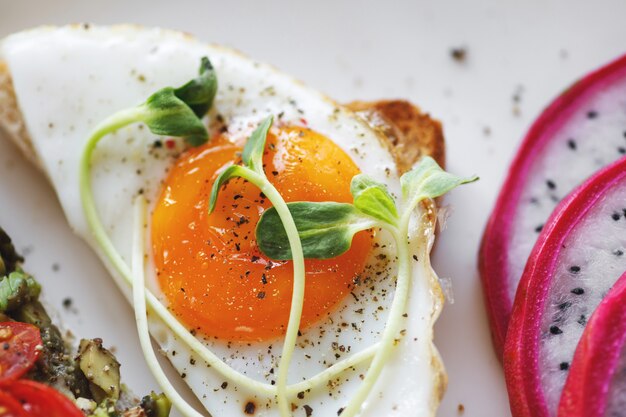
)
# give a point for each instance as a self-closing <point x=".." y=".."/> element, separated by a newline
<point x="206" y="268"/>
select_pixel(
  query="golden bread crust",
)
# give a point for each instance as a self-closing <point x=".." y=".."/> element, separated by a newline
<point x="411" y="132"/>
<point x="11" y="121"/>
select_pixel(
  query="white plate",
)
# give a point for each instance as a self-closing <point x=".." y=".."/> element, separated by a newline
<point x="351" y="50"/>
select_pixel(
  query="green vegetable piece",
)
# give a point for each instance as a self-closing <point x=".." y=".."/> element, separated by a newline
<point x="252" y="158"/>
<point x="9" y="258"/>
<point x="252" y="155"/>
<point x="156" y="405"/>
<point x="101" y="369"/>
<point x="169" y="116"/>
<point x="325" y="229"/>
<point x="199" y="93"/>
<point x="373" y="199"/>
<point x="107" y="409"/>
<point x="178" y="112"/>
<point x="16" y="290"/>
<point x="232" y="171"/>
<point x="428" y="180"/>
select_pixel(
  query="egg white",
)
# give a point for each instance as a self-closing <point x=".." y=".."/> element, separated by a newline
<point x="68" y="79"/>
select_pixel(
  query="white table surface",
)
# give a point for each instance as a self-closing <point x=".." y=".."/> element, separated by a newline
<point x="519" y="56"/>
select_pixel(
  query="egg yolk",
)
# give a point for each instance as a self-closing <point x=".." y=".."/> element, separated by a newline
<point x="209" y="267"/>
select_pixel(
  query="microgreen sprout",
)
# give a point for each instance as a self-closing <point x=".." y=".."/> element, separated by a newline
<point x="252" y="171"/>
<point x="326" y="230"/>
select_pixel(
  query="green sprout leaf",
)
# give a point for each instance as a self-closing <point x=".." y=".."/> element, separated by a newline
<point x="199" y="93"/>
<point x="428" y="180"/>
<point x="325" y="229"/>
<point x="373" y="199"/>
<point x="229" y="173"/>
<point x="178" y="112"/>
<point x="168" y="115"/>
<point x="252" y="155"/>
<point x="16" y="290"/>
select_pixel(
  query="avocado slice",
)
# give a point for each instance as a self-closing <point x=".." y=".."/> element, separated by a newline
<point x="101" y="369"/>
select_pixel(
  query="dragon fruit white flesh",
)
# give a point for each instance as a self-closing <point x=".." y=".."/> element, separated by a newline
<point x="578" y="257"/>
<point x="582" y="131"/>
<point x="596" y="384"/>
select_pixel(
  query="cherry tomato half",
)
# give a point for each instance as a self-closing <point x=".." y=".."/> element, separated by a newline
<point x="40" y="400"/>
<point x="20" y="346"/>
<point x="10" y="407"/>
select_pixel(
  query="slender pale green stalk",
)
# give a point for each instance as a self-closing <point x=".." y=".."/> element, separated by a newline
<point x="299" y="279"/>
<point x="392" y="327"/>
<point x="110" y="125"/>
<point x="331" y="373"/>
<point x="141" y="314"/>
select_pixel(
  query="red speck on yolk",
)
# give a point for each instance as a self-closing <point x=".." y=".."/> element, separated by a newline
<point x="210" y="268"/>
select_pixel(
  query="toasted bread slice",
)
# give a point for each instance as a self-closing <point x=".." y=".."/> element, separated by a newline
<point x="411" y="132"/>
<point x="408" y="131"/>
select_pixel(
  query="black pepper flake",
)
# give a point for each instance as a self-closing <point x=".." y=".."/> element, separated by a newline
<point x="308" y="410"/>
<point x="192" y="361"/>
<point x="6" y="346"/>
<point x="578" y="291"/>
<point x="415" y="258"/>
<point x="263" y="279"/>
<point x="571" y="144"/>
<point x="621" y="150"/>
<point x="340" y="411"/>
<point x="224" y="385"/>
<point x="274" y="173"/>
<point x="250" y="408"/>
<point x="564" y="366"/>
<point x="551" y="185"/>
<point x="254" y="258"/>
<point x="459" y="54"/>
<point x="183" y="375"/>
<point x="592" y="114"/>
<point x="574" y="269"/>
<point x="67" y="302"/>
<point x="582" y="320"/>
<point x="539" y="228"/>
<point x="261" y="295"/>
<point x="618" y="252"/>
<point x="555" y="330"/>
<point x="615" y="216"/>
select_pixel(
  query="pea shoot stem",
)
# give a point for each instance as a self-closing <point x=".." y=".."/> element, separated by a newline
<point x="392" y="327"/>
<point x="141" y="314"/>
<point x="110" y="125"/>
<point x="299" y="280"/>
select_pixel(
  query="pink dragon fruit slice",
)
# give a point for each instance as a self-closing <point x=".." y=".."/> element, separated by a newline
<point x="578" y="257"/>
<point x="582" y="131"/>
<point x="596" y="384"/>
